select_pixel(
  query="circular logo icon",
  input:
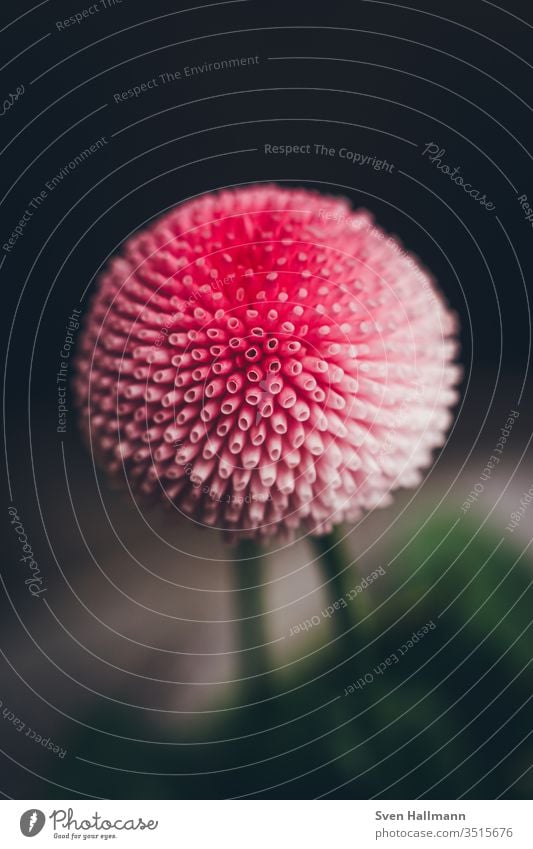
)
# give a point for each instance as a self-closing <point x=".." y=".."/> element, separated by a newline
<point x="32" y="822"/>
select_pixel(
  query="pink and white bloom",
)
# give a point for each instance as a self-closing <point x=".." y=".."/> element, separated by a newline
<point x="265" y="357"/>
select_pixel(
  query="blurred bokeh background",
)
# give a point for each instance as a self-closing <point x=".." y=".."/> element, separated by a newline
<point x="155" y="664"/>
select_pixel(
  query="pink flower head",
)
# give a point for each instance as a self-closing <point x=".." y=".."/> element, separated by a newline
<point x="265" y="357"/>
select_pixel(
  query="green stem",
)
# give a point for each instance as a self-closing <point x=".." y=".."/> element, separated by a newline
<point x="351" y="638"/>
<point x="335" y="562"/>
<point x="252" y="634"/>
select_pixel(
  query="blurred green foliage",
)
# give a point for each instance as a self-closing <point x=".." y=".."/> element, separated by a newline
<point x="450" y="718"/>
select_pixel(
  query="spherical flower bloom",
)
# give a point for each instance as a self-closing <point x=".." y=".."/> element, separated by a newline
<point x="265" y="357"/>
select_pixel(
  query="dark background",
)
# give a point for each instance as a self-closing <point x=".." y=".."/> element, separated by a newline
<point x="133" y="662"/>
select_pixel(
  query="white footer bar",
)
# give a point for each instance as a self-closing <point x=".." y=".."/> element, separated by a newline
<point x="264" y="824"/>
